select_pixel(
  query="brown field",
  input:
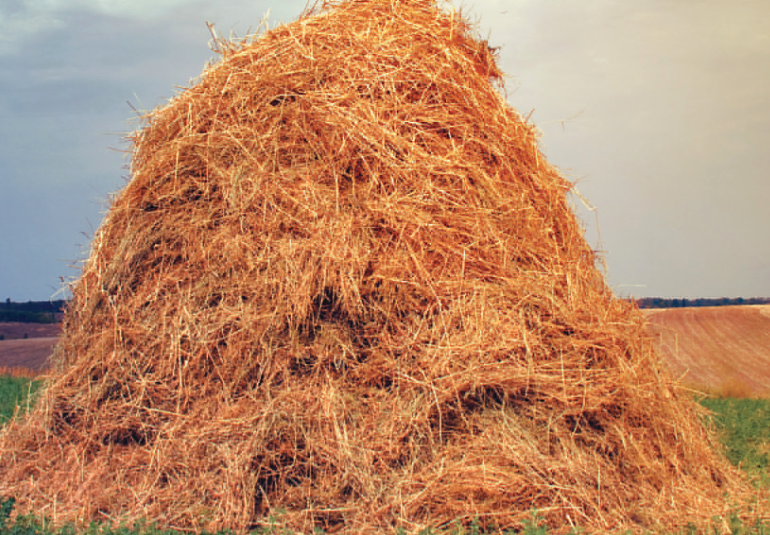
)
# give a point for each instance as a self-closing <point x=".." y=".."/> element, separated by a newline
<point x="29" y="354"/>
<point x="720" y="350"/>
<point x="14" y="330"/>
<point x="18" y="352"/>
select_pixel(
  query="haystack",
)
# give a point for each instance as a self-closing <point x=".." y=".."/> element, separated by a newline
<point x="344" y="288"/>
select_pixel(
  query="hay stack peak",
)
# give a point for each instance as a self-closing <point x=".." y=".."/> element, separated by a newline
<point x="343" y="283"/>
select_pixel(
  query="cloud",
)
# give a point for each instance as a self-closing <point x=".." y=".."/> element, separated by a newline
<point x="134" y="9"/>
<point x="25" y="20"/>
<point x="22" y="20"/>
<point x="657" y="109"/>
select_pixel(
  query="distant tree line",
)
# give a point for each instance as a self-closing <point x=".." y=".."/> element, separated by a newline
<point x="663" y="302"/>
<point x="50" y="311"/>
<point x="31" y="311"/>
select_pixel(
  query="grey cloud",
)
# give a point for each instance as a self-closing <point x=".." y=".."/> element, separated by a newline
<point x="657" y="109"/>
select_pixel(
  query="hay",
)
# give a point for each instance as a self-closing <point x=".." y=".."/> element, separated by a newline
<point x="343" y="284"/>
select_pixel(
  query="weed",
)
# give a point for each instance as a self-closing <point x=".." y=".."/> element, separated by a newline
<point x="14" y="392"/>
<point x="744" y="427"/>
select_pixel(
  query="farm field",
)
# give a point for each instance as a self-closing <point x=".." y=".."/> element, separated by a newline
<point x="31" y="353"/>
<point x="27" y="345"/>
<point x="13" y="330"/>
<point x="722" y="350"/>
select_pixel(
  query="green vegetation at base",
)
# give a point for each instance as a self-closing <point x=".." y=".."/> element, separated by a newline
<point x="14" y="392"/>
<point x="744" y="426"/>
<point x="32" y="525"/>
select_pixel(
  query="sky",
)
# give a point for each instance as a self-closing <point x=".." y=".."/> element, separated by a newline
<point x="657" y="110"/>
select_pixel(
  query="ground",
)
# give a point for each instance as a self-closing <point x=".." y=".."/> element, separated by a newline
<point x="27" y="345"/>
<point x="723" y="350"/>
<point x="717" y="349"/>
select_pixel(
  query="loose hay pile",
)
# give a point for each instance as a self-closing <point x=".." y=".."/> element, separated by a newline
<point x="344" y="284"/>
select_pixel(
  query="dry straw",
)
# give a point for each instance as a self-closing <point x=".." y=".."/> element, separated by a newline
<point x="343" y="284"/>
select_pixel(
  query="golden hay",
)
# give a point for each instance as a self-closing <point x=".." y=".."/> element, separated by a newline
<point x="344" y="284"/>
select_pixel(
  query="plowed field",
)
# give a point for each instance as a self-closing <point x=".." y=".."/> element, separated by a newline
<point x="723" y="350"/>
<point x="13" y="330"/>
<point x="27" y="345"/>
<point x="32" y="353"/>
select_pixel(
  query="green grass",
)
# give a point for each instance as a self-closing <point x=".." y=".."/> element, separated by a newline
<point x="743" y="424"/>
<point x="31" y="525"/>
<point x="14" y="392"/>
<point x="744" y="427"/>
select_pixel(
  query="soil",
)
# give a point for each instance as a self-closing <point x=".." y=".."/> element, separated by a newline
<point x="27" y="345"/>
<point x="13" y="330"/>
<point x="31" y="354"/>
<point x="721" y="350"/>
